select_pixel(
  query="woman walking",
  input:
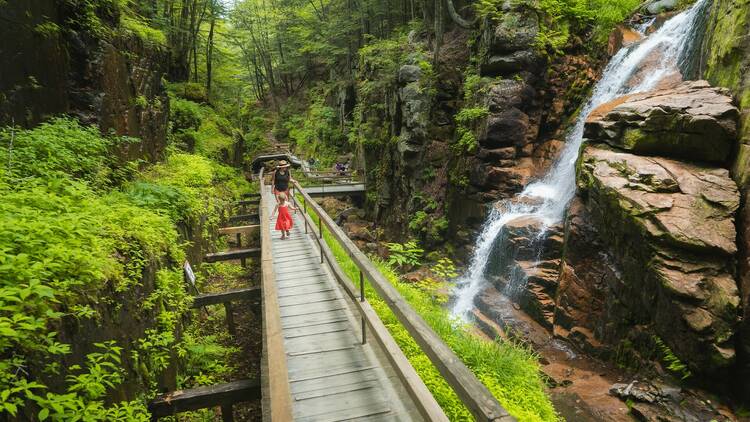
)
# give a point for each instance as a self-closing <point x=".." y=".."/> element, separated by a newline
<point x="282" y="177"/>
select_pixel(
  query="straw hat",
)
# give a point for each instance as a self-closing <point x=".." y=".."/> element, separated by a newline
<point x="282" y="164"/>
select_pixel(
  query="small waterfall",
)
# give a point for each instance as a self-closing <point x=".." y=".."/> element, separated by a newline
<point x="636" y="68"/>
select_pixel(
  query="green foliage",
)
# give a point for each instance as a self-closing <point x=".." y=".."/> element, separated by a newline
<point x="465" y="119"/>
<point x="69" y="241"/>
<point x="137" y="26"/>
<point x="674" y="363"/>
<point x="201" y="128"/>
<point x="417" y="221"/>
<point x="184" y="114"/>
<point x="404" y="254"/>
<point x="47" y="30"/>
<point x="599" y="16"/>
<point x="316" y="132"/>
<point x="60" y="147"/>
<point x="190" y="91"/>
<point x="445" y="268"/>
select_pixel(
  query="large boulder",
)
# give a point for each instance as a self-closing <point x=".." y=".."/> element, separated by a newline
<point x="524" y="265"/>
<point x="510" y="41"/>
<point x="693" y="121"/>
<point x="670" y="224"/>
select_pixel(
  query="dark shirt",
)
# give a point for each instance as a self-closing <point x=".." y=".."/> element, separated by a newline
<point x="281" y="180"/>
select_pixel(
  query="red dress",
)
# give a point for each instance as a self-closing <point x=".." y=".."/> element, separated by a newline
<point x="284" y="220"/>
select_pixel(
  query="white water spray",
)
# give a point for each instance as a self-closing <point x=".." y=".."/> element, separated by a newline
<point x="630" y="71"/>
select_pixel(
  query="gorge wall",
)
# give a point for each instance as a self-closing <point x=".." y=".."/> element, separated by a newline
<point x="77" y="58"/>
<point x="652" y="258"/>
<point x="444" y="139"/>
<point x="725" y="62"/>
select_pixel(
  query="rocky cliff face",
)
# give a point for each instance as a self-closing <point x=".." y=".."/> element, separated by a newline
<point x="726" y="63"/>
<point x="437" y="175"/>
<point x="66" y="61"/>
<point x="653" y="237"/>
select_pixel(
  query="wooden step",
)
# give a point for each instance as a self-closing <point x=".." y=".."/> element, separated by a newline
<point x="206" y="299"/>
<point x="238" y="229"/>
<point x="230" y="255"/>
<point x="244" y="217"/>
<point x="202" y="397"/>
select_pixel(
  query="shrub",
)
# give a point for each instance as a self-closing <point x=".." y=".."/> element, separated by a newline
<point x="404" y="255"/>
<point x="60" y="146"/>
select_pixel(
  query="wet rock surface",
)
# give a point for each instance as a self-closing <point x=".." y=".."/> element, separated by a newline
<point x="693" y="121"/>
<point x="670" y="226"/>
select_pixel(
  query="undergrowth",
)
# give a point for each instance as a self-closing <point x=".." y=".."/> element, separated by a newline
<point x="84" y="240"/>
<point x="510" y="371"/>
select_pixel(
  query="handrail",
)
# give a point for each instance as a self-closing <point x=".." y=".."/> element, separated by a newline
<point x="275" y="376"/>
<point x="426" y="404"/>
<point x="475" y="395"/>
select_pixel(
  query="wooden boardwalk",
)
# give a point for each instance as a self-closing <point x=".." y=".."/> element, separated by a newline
<point x="332" y="375"/>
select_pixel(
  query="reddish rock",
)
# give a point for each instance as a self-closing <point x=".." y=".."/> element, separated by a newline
<point x="621" y="36"/>
<point x="692" y="121"/>
<point x="670" y="227"/>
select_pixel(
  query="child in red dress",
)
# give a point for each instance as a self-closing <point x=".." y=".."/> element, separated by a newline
<point x="284" y="222"/>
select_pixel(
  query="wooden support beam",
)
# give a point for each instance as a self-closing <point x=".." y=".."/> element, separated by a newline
<point x="246" y="202"/>
<point x="251" y="195"/>
<point x="277" y="395"/>
<point x="202" y="397"/>
<point x="244" y="217"/>
<point x="238" y="229"/>
<point x="230" y="255"/>
<point x="207" y="299"/>
<point x="231" y="327"/>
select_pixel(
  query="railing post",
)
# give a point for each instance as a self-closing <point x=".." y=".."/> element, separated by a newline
<point x="362" y="299"/>
<point x="320" y="226"/>
<point x="304" y="204"/>
<point x="227" y="415"/>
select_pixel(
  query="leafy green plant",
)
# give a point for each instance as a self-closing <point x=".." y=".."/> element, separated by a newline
<point x="466" y="141"/>
<point x="60" y="147"/>
<point x="417" y="221"/>
<point x="445" y="268"/>
<point x="404" y="254"/>
<point x="674" y="363"/>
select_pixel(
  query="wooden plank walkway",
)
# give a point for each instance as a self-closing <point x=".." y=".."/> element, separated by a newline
<point x="332" y="375"/>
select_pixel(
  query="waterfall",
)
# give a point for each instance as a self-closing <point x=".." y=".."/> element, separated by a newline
<point x="629" y="71"/>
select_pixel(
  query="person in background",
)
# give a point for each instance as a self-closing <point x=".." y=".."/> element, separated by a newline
<point x="284" y="222"/>
<point x="340" y="169"/>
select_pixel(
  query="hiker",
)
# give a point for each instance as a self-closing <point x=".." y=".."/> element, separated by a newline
<point x="341" y="169"/>
<point x="284" y="222"/>
<point x="282" y="177"/>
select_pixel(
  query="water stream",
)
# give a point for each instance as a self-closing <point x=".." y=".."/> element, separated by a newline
<point x="636" y="68"/>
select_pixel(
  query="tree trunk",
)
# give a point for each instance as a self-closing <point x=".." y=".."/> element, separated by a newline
<point x="463" y="23"/>
<point x="210" y="49"/>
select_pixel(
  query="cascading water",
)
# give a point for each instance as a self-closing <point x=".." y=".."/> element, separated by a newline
<point x="630" y="71"/>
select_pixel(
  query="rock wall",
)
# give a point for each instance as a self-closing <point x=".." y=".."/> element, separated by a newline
<point x="650" y="243"/>
<point x="527" y="99"/>
<point x="63" y="63"/>
<point x="726" y="63"/>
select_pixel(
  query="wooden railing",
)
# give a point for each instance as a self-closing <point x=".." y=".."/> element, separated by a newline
<point x="421" y="396"/>
<point x="475" y="396"/>
<point x="277" y="399"/>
